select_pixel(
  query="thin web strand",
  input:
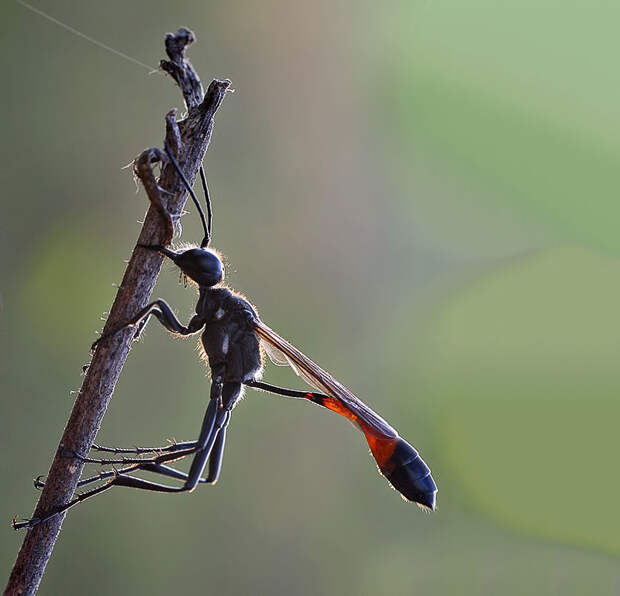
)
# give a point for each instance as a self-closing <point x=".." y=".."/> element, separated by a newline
<point x="151" y="69"/>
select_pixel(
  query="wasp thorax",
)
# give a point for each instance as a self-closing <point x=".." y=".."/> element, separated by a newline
<point x="200" y="264"/>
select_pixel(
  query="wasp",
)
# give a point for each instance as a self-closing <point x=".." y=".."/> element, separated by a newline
<point x="233" y="338"/>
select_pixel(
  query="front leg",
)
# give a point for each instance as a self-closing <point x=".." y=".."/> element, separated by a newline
<point x="166" y="317"/>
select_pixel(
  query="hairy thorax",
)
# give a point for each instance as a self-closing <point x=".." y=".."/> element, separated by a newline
<point x="229" y="340"/>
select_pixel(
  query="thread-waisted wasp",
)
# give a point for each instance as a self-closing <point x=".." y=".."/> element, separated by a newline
<point x="233" y="339"/>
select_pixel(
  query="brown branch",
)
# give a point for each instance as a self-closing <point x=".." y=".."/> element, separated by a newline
<point x="187" y="139"/>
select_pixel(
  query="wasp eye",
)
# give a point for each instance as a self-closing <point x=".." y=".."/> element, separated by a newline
<point x="200" y="264"/>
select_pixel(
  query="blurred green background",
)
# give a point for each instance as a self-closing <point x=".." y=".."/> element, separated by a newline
<point x="423" y="196"/>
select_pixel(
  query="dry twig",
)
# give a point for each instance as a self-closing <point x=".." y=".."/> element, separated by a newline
<point x="188" y="139"/>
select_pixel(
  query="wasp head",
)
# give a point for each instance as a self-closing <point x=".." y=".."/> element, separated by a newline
<point x="201" y="265"/>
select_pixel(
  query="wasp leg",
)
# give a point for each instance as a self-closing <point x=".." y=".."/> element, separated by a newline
<point x="212" y="423"/>
<point x="163" y="458"/>
<point x="119" y="479"/>
<point x="231" y="393"/>
<point x="140" y="450"/>
<point x="154" y="468"/>
<point x="215" y="459"/>
<point x="202" y="452"/>
<point x="204" y="442"/>
<point x="180" y="449"/>
<point x="168" y="471"/>
<point x="219" y="391"/>
<point x="166" y="317"/>
<point x="38" y="483"/>
<point x="223" y="398"/>
<point x="37" y="520"/>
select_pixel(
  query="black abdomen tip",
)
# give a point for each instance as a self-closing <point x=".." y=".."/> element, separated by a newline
<point x="409" y="475"/>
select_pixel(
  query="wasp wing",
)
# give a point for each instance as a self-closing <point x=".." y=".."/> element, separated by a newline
<point x="281" y="351"/>
<point x="398" y="461"/>
<point x="279" y="358"/>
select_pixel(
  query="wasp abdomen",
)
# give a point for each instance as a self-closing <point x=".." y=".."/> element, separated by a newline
<point x="410" y="476"/>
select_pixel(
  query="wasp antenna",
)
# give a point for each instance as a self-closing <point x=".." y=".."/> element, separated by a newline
<point x="203" y="179"/>
<point x="177" y="167"/>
